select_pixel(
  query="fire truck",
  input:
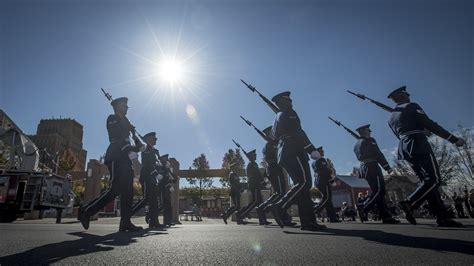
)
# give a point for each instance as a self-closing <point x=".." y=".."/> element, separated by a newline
<point x="24" y="186"/>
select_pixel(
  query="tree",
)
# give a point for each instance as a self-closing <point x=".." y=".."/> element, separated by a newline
<point x="402" y="168"/>
<point x="137" y="191"/>
<point x="78" y="188"/>
<point x="447" y="160"/>
<point x="465" y="156"/>
<point x="231" y="157"/>
<point x="331" y="168"/>
<point x="200" y="163"/>
<point x="193" y="193"/>
<point x="67" y="162"/>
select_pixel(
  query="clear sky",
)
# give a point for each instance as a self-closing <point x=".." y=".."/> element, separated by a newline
<point x="55" y="55"/>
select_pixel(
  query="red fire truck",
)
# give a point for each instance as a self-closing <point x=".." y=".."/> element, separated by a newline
<point x="23" y="186"/>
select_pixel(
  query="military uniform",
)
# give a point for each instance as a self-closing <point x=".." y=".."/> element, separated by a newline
<point x="255" y="180"/>
<point x="408" y="122"/>
<point x="293" y="146"/>
<point x="165" y="189"/>
<point x="234" y="182"/>
<point x="274" y="173"/>
<point x="323" y="183"/>
<point x="148" y="179"/>
<point x="368" y="153"/>
<point x="120" y="168"/>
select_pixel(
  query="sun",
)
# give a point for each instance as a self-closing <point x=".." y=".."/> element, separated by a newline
<point x="171" y="71"/>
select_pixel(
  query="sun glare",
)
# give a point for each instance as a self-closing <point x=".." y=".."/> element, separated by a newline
<point x="171" y="71"/>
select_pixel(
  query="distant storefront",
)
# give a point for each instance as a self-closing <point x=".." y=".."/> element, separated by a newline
<point x="346" y="188"/>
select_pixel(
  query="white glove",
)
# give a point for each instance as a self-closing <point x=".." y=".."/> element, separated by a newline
<point x="133" y="155"/>
<point x="315" y="155"/>
<point x="171" y="189"/>
<point x="268" y="186"/>
<point x="159" y="177"/>
<point x="460" y="142"/>
<point x="142" y="148"/>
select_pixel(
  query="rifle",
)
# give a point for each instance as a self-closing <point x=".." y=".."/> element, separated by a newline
<point x="265" y="137"/>
<point x="240" y="147"/>
<point x="379" y="104"/>
<point x="265" y="99"/>
<point x="346" y="128"/>
<point x="109" y="97"/>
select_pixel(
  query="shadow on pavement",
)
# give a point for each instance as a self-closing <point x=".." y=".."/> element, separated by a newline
<point x="86" y="244"/>
<point x="432" y="243"/>
<point x="465" y="228"/>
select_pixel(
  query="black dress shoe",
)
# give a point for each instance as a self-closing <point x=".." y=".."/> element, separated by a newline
<point x="390" y="220"/>
<point x="406" y="208"/>
<point x="155" y="225"/>
<point x="276" y="211"/>
<point x="129" y="227"/>
<point x="313" y="227"/>
<point x="265" y="223"/>
<point x="83" y="218"/>
<point x="288" y="223"/>
<point x="448" y="223"/>
<point x="240" y="220"/>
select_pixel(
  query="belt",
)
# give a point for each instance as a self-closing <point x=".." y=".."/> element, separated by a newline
<point x="412" y="132"/>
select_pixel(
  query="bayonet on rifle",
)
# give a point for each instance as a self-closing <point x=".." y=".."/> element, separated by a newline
<point x="265" y="99"/>
<point x="346" y="128"/>
<point x="107" y="95"/>
<point x="265" y="137"/>
<point x="240" y="147"/>
<point x="379" y="104"/>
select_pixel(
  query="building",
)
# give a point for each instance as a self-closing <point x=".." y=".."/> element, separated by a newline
<point x="346" y="188"/>
<point x="62" y="136"/>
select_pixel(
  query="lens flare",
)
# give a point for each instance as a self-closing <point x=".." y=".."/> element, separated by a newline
<point x="192" y="113"/>
<point x="257" y="248"/>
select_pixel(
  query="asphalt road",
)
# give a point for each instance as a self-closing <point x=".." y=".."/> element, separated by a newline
<point x="212" y="242"/>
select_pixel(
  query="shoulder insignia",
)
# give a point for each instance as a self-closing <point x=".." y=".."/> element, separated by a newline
<point x="420" y="111"/>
